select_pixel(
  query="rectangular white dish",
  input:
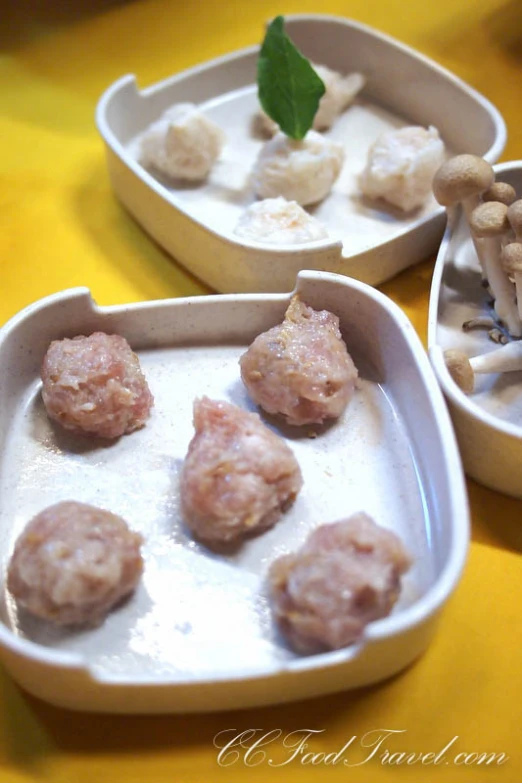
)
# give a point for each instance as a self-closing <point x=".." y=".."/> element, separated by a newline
<point x="197" y="634"/>
<point x="195" y="223"/>
<point x="488" y="423"/>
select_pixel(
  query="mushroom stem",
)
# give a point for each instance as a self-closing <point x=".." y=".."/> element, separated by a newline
<point x="489" y="221"/>
<point x="518" y="287"/>
<point x="501" y="287"/>
<point x="481" y="322"/>
<point x="505" y="359"/>
<point x="507" y="238"/>
<point x="468" y="205"/>
<point x="496" y="336"/>
<point x="511" y="259"/>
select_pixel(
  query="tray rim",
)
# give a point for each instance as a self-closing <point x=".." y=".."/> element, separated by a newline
<point x="388" y="628"/>
<point x="151" y="182"/>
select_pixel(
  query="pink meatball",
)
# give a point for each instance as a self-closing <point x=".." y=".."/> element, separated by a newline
<point x="346" y="575"/>
<point x="94" y="385"/>
<point x="238" y="477"/>
<point x="73" y="563"/>
<point x="301" y="369"/>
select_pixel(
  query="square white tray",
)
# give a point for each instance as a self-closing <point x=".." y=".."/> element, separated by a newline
<point x="367" y="241"/>
<point x="197" y="634"/>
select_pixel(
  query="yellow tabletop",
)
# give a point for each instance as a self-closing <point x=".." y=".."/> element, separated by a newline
<point x="62" y="227"/>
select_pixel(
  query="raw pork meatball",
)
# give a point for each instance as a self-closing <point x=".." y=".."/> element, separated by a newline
<point x="279" y="222"/>
<point x="302" y="171"/>
<point x="340" y="93"/>
<point x="94" y="385"/>
<point x="238" y="477"/>
<point x="183" y="143"/>
<point x="346" y="575"/>
<point x="401" y="166"/>
<point x="73" y="563"/>
<point x="301" y="369"/>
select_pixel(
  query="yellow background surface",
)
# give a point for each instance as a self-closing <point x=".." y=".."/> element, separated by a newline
<point x="61" y="227"/>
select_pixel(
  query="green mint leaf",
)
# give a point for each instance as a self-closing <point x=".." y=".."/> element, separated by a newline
<point x="288" y="87"/>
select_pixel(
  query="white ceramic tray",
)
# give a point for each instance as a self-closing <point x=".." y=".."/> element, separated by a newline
<point x="369" y="242"/>
<point x="197" y="634"/>
<point x="488" y="422"/>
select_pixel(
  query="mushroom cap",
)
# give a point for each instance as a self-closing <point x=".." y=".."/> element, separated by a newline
<point x="515" y="216"/>
<point x="500" y="191"/>
<point x="461" y="177"/>
<point x="489" y="219"/>
<point x="460" y="369"/>
<point x="511" y="258"/>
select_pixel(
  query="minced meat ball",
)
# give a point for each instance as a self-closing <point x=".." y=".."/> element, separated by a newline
<point x="301" y="368"/>
<point x="346" y="575"/>
<point x="73" y="563"/>
<point x="238" y="477"/>
<point x="94" y="385"/>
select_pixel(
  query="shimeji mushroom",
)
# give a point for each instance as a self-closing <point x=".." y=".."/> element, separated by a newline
<point x="486" y="322"/>
<point x="489" y="222"/>
<point x="463" y="369"/>
<point x="460" y="369"/>
<point x="480" y="322"/>
<point x="511" y="260"/>
<point x="500" y="191"/>
<point x="514" y="215"/>
<point x="463" y="179"/>
<point x="506" y="194"/>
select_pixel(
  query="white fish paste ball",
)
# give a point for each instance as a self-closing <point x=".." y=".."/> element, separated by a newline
<point x="183" y="143"/>
<point x="302" y="171"/>
<point x="401" y="166"/>
<point x="279" y="222"/>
